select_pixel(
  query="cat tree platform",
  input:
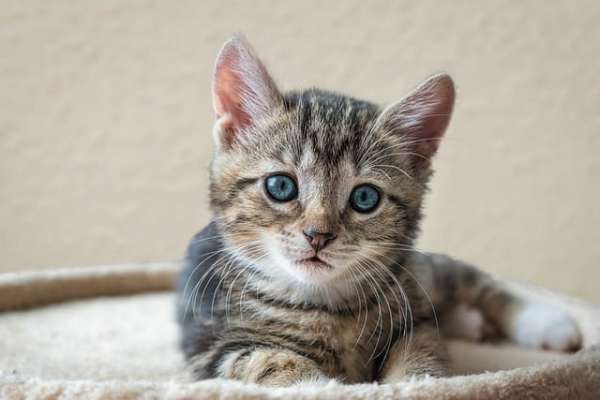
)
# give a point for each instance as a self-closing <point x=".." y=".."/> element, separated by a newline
<point x="109" y="333"/>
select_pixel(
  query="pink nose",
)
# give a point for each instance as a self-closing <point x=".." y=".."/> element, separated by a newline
<point x="318" y="240"/>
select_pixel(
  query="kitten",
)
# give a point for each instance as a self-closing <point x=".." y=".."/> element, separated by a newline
<point x="307" y="271"/>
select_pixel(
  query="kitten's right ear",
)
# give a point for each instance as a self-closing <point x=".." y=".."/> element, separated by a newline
<point x="243" y="91"/>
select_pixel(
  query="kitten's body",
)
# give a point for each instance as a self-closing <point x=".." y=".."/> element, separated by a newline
<point x="260" y="304"/>
<point x="225" y="308"/>
<point x="349" y="340"/>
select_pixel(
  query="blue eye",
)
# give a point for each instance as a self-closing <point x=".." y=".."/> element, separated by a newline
<point x="281" y="188"/>
<point x="364" y="198"/>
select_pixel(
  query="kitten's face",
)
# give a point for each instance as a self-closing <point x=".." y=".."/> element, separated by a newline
<point x="315" y="192"/>
<point x="316" y="187"/>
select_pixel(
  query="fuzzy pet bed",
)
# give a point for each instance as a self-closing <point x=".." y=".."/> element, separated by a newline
<point x="109" y="332"/>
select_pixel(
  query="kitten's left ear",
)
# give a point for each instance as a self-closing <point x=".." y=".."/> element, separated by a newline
<point x="243" y="91"/>
<point x="422" y="117"/>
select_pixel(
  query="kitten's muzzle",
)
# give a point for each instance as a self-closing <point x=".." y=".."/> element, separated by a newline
<point x="318" y="240"/>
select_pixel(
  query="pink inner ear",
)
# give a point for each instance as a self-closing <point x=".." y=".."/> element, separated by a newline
<point x="227" y="90"/>
<point x="243" y="91"/>
<point x="425" y="114"/>
<point x="430" y="133"/>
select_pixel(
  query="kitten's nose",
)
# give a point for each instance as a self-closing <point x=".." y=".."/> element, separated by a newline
<point x="318" y="240"/>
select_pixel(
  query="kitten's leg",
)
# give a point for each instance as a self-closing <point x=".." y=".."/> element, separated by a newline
<point x="265" y="366"/>
<point x="472" y="300"/>
<point x="424" y="354"/>
<point x="466" y="322"/>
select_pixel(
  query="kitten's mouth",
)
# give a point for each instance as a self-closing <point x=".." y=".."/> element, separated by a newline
<point x="314" y="262"/>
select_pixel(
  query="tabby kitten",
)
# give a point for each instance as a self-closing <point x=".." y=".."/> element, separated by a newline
<point x="307" y="271"/>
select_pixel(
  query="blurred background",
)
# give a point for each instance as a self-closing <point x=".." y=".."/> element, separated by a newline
<point x="105" y="122"/>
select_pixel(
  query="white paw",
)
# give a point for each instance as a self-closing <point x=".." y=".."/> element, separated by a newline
<point x="543" y="327"/>
<point x="464" y="323"/>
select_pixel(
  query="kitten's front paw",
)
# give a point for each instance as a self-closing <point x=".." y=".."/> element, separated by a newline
<point x="542" y="327"/>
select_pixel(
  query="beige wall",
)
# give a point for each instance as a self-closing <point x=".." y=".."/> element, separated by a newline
<point x="105" y="121"/>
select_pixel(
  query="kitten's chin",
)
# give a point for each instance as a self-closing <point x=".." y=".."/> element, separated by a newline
<point x="311" y="271"/>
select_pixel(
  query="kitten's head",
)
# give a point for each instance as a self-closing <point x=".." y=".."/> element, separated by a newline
<point x="312" y="186"/>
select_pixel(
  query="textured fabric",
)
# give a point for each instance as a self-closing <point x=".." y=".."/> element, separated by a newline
<point x="125" y="346"/>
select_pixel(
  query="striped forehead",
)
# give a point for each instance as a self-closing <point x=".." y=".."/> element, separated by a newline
<point x="326" y="138"/>
<point x="329" y="128"/>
